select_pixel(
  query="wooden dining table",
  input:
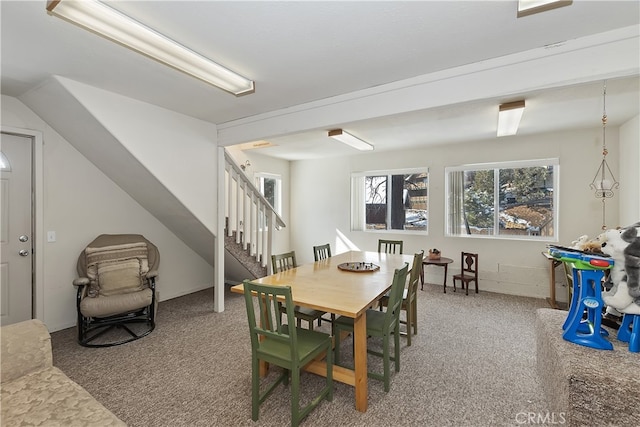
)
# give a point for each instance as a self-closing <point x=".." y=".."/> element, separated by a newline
<point x="323" y="286"/>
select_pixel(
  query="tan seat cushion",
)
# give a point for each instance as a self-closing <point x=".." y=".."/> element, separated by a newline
<point x="103" y="306"/>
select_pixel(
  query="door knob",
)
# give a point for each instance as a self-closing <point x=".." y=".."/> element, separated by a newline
<point x="24" y="252"/>
<point x="23" y="238"/>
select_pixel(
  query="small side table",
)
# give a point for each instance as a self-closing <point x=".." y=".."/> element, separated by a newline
<point x="553" y="263"/>
<point x="442" y="262"/>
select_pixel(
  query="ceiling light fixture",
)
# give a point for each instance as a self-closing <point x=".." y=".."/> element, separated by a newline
<point x="351" y="140"/>
<point x="509" y="116"/>
<point x="529" y="7"/>
<point x="604" y="182"/>
<point x="98" y="18"/>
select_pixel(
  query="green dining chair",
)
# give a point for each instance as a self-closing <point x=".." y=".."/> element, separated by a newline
<point x="279" y="344"/>
<point x="322" y="252"/>
<point x="380" y="324"/>
<point x="287" y="261"/>
<point x="409" y="299"/>
<point x="283" y="262"/>
<point x="390" y="246"/>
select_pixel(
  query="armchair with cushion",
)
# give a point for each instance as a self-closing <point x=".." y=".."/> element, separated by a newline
<point x="116" y="297"/>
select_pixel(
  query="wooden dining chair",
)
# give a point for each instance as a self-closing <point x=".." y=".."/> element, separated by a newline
<point x="322" y="252"/>
<point x="382" y="324"/>
<point x="283" y="345"/>
<point x="468" y="272"/>
<point x="390" y="246"/>
<point x="287" y="261"/>
<point x="409" y="299"/>
<point x="283" y="262"/>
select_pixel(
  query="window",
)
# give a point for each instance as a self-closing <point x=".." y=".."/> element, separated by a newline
<point x="390" y="200"/>
<point x="516" y="199"/>
<point x="270" y="186"/>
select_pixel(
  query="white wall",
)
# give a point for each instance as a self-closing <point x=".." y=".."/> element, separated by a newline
<point x="178" y="150"/>
<point x="79" y="203"/>
<point x="320" y="205"/>
<point x="629" y="172"/>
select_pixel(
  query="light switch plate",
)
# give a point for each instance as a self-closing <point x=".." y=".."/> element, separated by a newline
<point x="51" y="236"/>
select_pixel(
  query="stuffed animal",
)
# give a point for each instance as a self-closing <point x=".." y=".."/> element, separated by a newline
<point x="579" y="241"/>
<point x="623" y="245"/>
<point x="632" y="260"/>
<point x="585" y="244"/>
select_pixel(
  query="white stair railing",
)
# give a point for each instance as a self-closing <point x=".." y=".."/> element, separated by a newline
<point x="249" y="214"/>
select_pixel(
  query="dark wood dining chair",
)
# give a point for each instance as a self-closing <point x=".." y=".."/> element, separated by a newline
<point x="390" y="246"/>
<point x="468" y="272"/>
<point x="287" y="261"/>
<point x="322" y="252"/>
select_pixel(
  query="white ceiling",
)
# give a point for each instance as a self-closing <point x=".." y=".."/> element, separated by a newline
<point x="302" y="54"/>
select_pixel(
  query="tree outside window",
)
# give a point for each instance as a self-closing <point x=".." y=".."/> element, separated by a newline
<point x="270" y="187"/>
<point x="395" y="201"/>
<point x="503" y="201"/>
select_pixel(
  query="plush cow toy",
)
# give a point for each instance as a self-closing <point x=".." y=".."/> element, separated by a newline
<point x="623" y="246"/>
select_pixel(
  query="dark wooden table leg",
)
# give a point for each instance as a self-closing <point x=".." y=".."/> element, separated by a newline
<point x="445" y="278"/>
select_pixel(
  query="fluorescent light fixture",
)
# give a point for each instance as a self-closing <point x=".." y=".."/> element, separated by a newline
<point x="529" y="7"/>
<point x="351" y="140"/>
<point x="98" y="18"/>
<point x="509" y="116"/>
<point x="255" y="144"/>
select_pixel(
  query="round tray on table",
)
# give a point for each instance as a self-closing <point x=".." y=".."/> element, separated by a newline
<point x="359" y="267"/>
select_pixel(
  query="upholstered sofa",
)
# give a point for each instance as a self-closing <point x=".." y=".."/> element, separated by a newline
<point x="584" y="386"/>
<point x="34" y="392"/>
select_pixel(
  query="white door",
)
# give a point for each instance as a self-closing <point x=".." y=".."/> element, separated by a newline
<point x="16" y="279"/>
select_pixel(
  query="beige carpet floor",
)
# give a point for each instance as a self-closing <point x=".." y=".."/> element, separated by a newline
<point x="473" y="363"/>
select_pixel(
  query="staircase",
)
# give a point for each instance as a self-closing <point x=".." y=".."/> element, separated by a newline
<point x="249" y="226"/>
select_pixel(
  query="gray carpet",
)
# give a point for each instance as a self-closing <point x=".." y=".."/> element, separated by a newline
<point x="473" y="363"/>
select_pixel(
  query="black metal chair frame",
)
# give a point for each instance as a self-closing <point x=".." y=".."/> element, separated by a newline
<point x="90" y="328"/>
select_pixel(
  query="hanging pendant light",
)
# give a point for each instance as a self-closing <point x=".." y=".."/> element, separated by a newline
<point x="604" y="182"/>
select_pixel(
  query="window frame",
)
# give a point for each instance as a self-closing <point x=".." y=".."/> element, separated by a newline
<point x="496" y="167"/>
<point x="259" y="180"/>
<point x="358" y="201"/>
